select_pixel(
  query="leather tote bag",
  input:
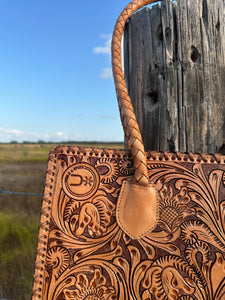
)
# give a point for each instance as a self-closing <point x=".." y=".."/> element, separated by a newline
<point x="127" y="225"/>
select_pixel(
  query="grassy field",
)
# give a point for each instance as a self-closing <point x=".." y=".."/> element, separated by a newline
<point x="22" y="169"/>
<point x="39" y="152"/>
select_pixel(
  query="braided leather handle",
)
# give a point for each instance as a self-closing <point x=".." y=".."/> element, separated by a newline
<point x="129" y="122"/>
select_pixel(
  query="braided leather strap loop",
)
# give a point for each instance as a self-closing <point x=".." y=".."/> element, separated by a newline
<point x="129" y="122"/>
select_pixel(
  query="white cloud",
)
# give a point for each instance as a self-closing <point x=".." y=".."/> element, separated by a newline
<point x="105" y="36"/>
<point x="60" y="133"/>
<point x="10" y="132"/>
<point x="8" y="135"/>
<point x="106" y="73"/>
<point x="106" y="49"/>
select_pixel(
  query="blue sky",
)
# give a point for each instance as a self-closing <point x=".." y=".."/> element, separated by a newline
<point x="55" y="77"/>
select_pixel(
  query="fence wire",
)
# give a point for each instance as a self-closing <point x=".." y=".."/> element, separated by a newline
<point x="19" y="193"/>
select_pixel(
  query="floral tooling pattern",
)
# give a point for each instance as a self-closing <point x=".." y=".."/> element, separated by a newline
<point x="89" y="257"/>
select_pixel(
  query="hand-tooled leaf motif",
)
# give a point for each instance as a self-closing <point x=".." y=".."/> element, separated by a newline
<point x="90" y="257"/>
<point x="172" y="282"/>
<point x="58" y="259"/>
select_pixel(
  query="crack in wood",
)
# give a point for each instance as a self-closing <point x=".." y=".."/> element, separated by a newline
<point x="177" y="52"/>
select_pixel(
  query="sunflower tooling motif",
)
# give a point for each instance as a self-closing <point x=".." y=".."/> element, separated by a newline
<point x="90" y="289"/>
<point x="89" y="257"/>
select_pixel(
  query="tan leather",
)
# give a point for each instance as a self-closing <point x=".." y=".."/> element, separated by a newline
<point x="133" y="140"/>
<point x="137" y="209"/>
<point x="131" y="128"/>
<point x="83" y="252"/>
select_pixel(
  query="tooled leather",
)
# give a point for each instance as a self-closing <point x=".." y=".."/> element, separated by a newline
<point x="131" y="128"/>
<point x="137" y="210"/>
<point x="39" y="273"/>
<point x="84" y="254"/>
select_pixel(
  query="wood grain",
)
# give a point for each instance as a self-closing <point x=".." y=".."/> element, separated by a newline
<point x="175" y="73"/>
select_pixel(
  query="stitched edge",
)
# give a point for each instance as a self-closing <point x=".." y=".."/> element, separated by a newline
<point x="118" y="212"/>
<point x="151" y="155"/>
<point x="38" y="277"/>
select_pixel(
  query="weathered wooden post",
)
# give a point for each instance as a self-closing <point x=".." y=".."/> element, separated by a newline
<point x="175" y="72"/>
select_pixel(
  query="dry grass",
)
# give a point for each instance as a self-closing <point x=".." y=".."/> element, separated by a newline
<point x="22" y="169"/>
<point x="39" y="152"/>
